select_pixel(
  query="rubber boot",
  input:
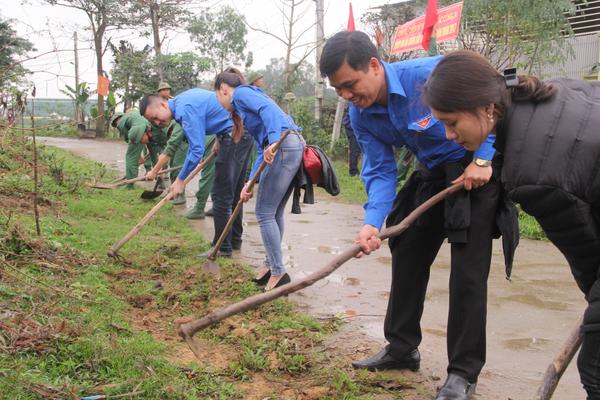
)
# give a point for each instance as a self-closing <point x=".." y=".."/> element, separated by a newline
<point x="179" y="199"/>
<point x="195" y="213"/>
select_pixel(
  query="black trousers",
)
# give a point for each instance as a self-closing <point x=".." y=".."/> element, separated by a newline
<point x="573" y="226"/>
<point x="230" y="175"/>
<point x="413" y="252"/>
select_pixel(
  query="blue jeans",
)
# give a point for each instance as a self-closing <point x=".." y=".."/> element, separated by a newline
<point x="273" y="193"/>
<point x="230" y="174"/>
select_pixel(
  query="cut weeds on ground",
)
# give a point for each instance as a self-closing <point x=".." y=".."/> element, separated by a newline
<point x="74" y="323"/>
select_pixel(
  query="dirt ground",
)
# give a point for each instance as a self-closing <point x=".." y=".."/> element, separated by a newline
<point x="528" y="318"/>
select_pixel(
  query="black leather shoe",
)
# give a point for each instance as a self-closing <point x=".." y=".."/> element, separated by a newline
<point x="236" y="246"/>
<point x="262" y="281"/>
<point x="384" y="360"/>
<point x="456" y="388"/>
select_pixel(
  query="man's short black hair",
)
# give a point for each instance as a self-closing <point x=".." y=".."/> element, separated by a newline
<point x="146" y="101"/>
<point x="354" y="47"/>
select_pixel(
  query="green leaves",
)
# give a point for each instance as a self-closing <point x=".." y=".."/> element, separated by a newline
<point x="11" y="46"/>
<point x="517" y="33"/>
<point x="219" y="36"/>
<point x="79" y="95"/>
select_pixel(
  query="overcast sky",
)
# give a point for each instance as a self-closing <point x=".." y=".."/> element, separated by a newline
<point x="52" y="27"/>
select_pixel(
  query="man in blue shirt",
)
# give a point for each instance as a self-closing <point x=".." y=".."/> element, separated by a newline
<point x="386" y="112"/>
<point x="199" y="113"/>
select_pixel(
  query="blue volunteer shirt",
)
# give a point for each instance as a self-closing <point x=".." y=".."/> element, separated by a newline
<point x="199" y="113"/>
<point x="405" y="121"/>
<point x="263" y="119"/>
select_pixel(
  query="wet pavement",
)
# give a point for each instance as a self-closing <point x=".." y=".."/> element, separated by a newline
<point x="528" y="318"/>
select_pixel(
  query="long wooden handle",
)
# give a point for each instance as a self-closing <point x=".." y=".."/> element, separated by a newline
<point x="560" y="363"/>
<point x="112" y="252"/>
<point x="188" y="330"/>
<point x="213" y="254"/>
<point x="141" y="178"/>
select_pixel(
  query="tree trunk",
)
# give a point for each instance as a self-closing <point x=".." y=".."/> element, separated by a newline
<point x="100" y="123"/>
<point x="154" y="9"/>
<point x="126" y="99"/>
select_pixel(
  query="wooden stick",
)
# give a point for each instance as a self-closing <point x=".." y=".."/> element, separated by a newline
<point x="560" y="363"/>
<point x="187" y="331"/>
<point x="213" y="255"/>
<point x="112" y="252"/>
<point x="132" y="180"/>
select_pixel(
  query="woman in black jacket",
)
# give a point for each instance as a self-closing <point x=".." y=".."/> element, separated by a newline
<point x="549" y="136"/>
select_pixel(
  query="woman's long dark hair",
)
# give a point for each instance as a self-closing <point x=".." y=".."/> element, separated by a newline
<point x="464" y="80"/>
<point x="234" y="78"/>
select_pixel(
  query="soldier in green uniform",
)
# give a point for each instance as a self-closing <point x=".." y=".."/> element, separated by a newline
<point x="136" y="130"/>
<point x="174" y="154"/>
<point x="164" y="90"/>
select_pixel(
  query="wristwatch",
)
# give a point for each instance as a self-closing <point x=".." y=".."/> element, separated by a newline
<point x="480" y="162"/>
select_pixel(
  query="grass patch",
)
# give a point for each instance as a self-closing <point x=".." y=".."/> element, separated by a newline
<point x="352" y="189"/>
<point x="75" y="323"/>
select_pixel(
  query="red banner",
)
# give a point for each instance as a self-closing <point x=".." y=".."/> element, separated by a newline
<point x="103" y="85"/>
<point x="410" y="35"/>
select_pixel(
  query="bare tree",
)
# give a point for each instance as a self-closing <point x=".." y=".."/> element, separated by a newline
<point x="292" y="11"/>
<point x="102" y="15"/>
<point x="163" y="16"/>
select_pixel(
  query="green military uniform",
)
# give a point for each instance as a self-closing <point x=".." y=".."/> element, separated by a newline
<point x="132" y="127"/>
<point x="157" y="143"/>
<point x="176" y="147"/>
<point x="207" y="177"/>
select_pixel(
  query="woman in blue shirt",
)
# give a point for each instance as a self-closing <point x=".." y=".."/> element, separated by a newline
<point x="252" y="110"/>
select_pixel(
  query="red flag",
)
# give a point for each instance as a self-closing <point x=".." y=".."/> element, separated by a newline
<point x="103" y="85"/>
<point x="431" y="17"/>
<point x="350" y="27"/>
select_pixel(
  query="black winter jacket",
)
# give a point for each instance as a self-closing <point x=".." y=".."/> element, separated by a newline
<point x="552" y="164"/>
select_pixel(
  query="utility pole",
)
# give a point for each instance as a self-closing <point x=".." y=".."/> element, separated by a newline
<point x="319" y="83"/>
<point x="77" y="111"/>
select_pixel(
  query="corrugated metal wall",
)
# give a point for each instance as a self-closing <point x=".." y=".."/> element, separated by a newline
<point x="586" y="49"/>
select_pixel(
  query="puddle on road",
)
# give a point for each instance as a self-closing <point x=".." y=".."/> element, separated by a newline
<point x="551" y="284"/>
<point x="535" y="301"/>
<point x="328" y="249"/>
<point x="435" y="332"/>
<point x="532" y="343"/>
<point x="351" y="281"/>
<point x="384" y="260"/>
<point x="334" y="278"/>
